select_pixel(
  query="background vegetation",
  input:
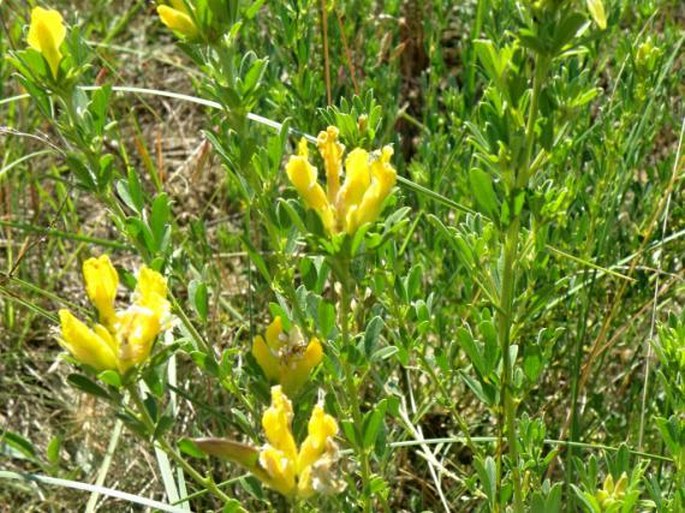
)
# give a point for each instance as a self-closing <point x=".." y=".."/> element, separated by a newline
<point x="596" y="307"/>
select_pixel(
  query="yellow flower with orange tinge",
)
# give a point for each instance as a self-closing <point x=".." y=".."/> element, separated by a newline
<point x="369" y="178"/>
<point x="178" y="18"/>
<point x="121" y="339"/>
<point x="302" y="472"/>
<point x="286" y="358"/>
<point x="46" y="35"/>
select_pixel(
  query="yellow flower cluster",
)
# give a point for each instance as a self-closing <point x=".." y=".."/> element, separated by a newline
<point x="46" y="35"/>
<point x="178" y="18"/>
<point x="302" y="472"/>
<point x="369" y="178"/>
<point x="612" y="493"/>
<point x="286" y="358"/>
<point x="121" y="339"/>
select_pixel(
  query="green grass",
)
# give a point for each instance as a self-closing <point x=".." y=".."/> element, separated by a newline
<point x="581" y="279"/>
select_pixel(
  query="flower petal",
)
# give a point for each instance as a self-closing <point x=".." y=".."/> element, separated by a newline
<point x="357" y="181"/>
<point x="296" y="370"/>
<point x="137" y="329"/>
<point x="321" y="427"/>
<point x="280" y="469"/>
<point x="274" y="334"/>
<point x="46" y="35"/>
<point x="383" y="180"/>
<point x="150" y="294"/>
<point x="86" y="345"/>
<point x="303" y="177"/>
<point x="177" y="20"/>
<point x="276" y="422"/>
<point x="269" y="363"/>
<point x="101" y="280"/>
<point x="331" y="151"/>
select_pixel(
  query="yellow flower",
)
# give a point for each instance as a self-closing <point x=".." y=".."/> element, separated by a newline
<point x="596" y="8"/>
<point x="292" y="472"/>
<point x="279" y="457"/>
<point x="383" y="178"/>
<point x="286" y="358"/>
<point x="102" y="281"/>
<point x="318" y="453"/>
<point x="331" y="151"/>
<point x="124" y="338"/>
<point x="369" y="178"/>
<point x="46" y="35"/>
<point x="95" y="348"/>
<point x="177" y="18"/>
<point x="611" y="493"/>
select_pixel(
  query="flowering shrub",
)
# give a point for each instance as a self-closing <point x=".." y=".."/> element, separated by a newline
<point x="467" y="272"/>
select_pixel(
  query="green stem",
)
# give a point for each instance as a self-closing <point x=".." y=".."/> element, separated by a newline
<point x="507" y="292"/>
<point x="504" y="332"/>
<point x="351" y="383"/>
<point x="205" y="482"/>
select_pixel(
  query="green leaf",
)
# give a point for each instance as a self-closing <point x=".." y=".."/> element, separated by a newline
<point x="135" y="190"/>
<point x="21" y="445"/>
<point x="88" y="386"/>
<point x="138" y="230"/>
<point x="99" y="103"/>
<point x="348" y="428"/>
<point x="293" y="214"/>
<point x="530" y="39"/>
<point x="378" y="486"/>
<point x="413" y="282"/>
<point x="566" y="30"/>
<point x="83" y="174"/>
<point x="489" y="58"/>
<point x="326" y="317"/>
<point x="588" y="500"/>
<point x="372" y="334"/>
<point x="486" y="470"/>
<point x="673" y="433"/>
<point x="233" y="506"/>
<point x="151" y="406"/>
<point x="110" y="377"/>
<point x="104" y="175"/>
<point x="187" y="446"/>
<point x="253" y="76"/>
<point x="372" y="423"/>
<point x="490" y="346"/>
<point x="532" y="362"/>
<point x="252" y="10"/>
<point x="484" y="192"/>
<point x="485" y="392"/>
<point x="470" y="347"/>
<point x="133" y="424"/>
<point x="159" y="221"/>
<point x="384" y="353"/>
<point x="52" y="451"/>
<point x="165" y="423"/>
<point x="199" y="298"/>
